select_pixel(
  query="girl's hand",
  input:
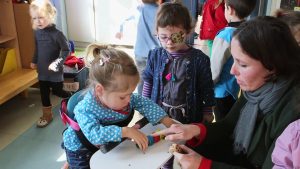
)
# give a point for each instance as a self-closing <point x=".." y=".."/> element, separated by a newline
<point x="179" y="132"/>
<point x="138" y="137"/>
<point x="189" y="160"/>
<point x="33" y="66"/>
<point x="167" y="121"/>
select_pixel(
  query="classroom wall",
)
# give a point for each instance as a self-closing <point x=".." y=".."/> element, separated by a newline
<point x="99" y="20"/>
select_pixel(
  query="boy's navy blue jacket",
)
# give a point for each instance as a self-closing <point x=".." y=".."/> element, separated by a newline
<point x="200" y="91"/>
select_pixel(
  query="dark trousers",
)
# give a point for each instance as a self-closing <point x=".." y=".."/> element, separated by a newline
<point x="57" y="89"/>
<point x="79" y="159"/>
<point x="223" y="106"/>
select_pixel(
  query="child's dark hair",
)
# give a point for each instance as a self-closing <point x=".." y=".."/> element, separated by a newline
<point x="106" y="63"/>
<point x="291" y="18"/>
<point x="243" y="8"/>
<point x="174" y="15"/>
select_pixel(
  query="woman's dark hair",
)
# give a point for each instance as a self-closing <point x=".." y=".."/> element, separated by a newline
<point x="270" y="41"/>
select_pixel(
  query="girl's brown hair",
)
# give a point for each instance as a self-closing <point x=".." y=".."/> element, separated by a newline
<point x="105" y="63"/>
<point x="174" y="15"/>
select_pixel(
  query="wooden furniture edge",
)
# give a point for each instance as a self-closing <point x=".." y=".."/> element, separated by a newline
<point x="16" y="82"/>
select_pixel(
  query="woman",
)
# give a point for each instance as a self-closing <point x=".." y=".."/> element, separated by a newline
<point x="266" y="66"/>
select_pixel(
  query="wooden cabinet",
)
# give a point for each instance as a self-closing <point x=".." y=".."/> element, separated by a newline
<point x="24" y="33"/>
<point x="8" y="33"/>
<point x="17" y="77"/>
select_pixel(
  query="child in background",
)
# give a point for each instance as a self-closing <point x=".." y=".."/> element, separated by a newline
<point x="286" y="154"/>
<point x="178" y="76"/>
<point x="213" y="20"/>
<point x="226" y="87"/>
<point x="292" y="19"/>
<point x="145" y="39"/>
<point x="108" y="103"/>
<point x="50" y="51"/>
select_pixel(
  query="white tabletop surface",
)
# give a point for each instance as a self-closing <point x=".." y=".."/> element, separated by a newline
<point x="127" y="156"/>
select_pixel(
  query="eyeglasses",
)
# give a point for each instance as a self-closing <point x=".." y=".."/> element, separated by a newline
<point x="177" y="37"/>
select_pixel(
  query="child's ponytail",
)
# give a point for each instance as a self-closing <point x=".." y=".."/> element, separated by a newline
<point x="93" y="51"/>
<point x="105" y="63"/>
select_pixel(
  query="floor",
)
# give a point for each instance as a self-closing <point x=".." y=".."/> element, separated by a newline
<point x="19" y="114"/>
<point x="22" y="144"/>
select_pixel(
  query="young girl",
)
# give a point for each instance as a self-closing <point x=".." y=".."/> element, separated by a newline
<point x="50" y="51"/>
<point x="178" y="76"/>
<point x="108" y="102"/>
<point x="292" y="19"/>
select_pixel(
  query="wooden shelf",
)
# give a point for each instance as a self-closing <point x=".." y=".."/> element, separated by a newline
<point x="5" y="38"/>
<point x="16" y="82"/>
<point x="15" y="78"/>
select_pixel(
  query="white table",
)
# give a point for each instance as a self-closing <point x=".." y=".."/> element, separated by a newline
<point x="127" y="156"/>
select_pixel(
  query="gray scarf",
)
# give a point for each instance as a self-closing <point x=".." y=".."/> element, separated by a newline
<point x="260" y="101"/>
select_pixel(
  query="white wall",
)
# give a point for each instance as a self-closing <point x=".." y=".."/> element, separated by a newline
<point x="99" y="20"/>
<point x="80" y="20"/>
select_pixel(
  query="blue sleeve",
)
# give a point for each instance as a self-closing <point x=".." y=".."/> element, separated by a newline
<point x="64" y="47"/>
<point x="132" y="17"/>
<point x="153" y="112"/>
<point x="87" y="117"/>
<point x="149" y="70"/>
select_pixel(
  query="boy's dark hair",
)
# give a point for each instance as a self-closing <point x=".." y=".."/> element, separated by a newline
<point x="174" y="14"/>
<point x="243" y="8"/>
<point x="270" y="41"/>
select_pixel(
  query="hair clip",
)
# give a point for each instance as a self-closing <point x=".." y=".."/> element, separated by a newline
<point x="103" y="60"/>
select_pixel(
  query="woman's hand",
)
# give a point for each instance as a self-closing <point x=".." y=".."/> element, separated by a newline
<point x="179" y="132"/>
<point x="189" y="160"/>
<point x="138" y="137"/>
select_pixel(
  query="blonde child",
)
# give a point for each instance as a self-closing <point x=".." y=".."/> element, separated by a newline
<point x="107" y="104"/>
<point x="50" y="51"/>
<point x="178" y="76"/>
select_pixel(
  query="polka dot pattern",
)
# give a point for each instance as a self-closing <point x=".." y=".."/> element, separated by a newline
<point x="93" y="120"/>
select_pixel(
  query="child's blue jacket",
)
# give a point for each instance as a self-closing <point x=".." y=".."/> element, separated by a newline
<point x="200" y="92"/>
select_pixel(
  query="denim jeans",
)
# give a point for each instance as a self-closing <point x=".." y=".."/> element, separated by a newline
<point x="79" y="159"/>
